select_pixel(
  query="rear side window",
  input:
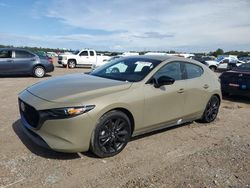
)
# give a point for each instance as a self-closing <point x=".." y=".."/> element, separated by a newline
<point x="91" y="53"/>
<point x="23" y="54"/>
<point x="5" y="54"/>
<point x="193" y="71"/>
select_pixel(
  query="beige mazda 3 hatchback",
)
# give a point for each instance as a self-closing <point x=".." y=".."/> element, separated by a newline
<point x="133" y="95"/>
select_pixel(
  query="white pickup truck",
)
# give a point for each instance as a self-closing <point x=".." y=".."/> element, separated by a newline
<point x="84" y="57"/>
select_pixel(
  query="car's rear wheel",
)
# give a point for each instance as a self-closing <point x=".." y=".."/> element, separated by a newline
<point x="211" y="110"/>
<point x="39" y="71"/>
<point x="213" y="68"/>
<point x="71" y="64"/>
<point x="111" y="134"/>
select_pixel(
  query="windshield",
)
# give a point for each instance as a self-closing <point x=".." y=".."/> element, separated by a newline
<point x="219" y="59"/>
<point x="127" y="69"/>
<point x="75" y="52"/>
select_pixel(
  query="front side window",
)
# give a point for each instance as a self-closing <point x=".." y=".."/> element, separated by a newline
<point x="92" y="53"/>
<point x="5" y="54"/>
<point x="193" y="71"/>
<point x="84" y="53"/>
<point x="23" y="54"/>
<point x="127" y="69"/>
<point x="172" y="70"/>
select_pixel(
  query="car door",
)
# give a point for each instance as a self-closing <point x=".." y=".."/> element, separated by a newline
<point x="92" y="57"/>
<point x="223" y="64"/>
<point x="23" y="61"/>
<point x="6" y="61"/>
<point x="196" y="91"/>
<point x="165" y="104"/>
<point x="84" y="58"/>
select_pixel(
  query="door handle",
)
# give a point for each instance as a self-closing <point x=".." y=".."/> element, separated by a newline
<point x="206" y="86"/>
<point x="10" y="61"/>
<point x="181" y="90"/>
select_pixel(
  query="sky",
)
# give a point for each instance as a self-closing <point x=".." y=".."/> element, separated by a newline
<point x="127" y="25"/>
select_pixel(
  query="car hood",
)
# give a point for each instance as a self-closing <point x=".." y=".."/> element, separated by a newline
<point x="212" y="62"/>
<point x="76" y="88"/>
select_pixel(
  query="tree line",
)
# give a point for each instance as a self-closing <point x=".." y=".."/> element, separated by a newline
<point x="215" y="53"/>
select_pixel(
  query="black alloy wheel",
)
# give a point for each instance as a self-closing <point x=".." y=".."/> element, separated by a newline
<point x="211" y="110"/>
<point x="112" y="134"/>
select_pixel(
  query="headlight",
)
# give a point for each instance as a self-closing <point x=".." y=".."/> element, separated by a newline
<point x="68" y="112"/>
<point x="64" y="57"/>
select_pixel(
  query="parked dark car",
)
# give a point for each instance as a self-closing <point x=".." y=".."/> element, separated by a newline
<point x="237" y="81"/>
<point x="14" y="61"/>
<point x="246" y="59"/>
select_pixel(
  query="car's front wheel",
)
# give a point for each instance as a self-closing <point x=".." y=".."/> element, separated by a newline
<point x="71" y="64"/>
<point x="211" y="110"/>
<point x="39" y="71"/>
<point x="213" y="68"/>
<point x="111" y="134"/>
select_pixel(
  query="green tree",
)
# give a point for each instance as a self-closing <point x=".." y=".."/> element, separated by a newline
<point x="218" y="52"/>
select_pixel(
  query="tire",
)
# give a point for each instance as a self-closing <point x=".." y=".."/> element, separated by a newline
<point x="213" y="68"/>
<point x="71" y="64"/>
<point x="39" y="71"/>
<point x="64" y="66"/>
<point x="211" y="110"/>
<point x="111" y="134"/>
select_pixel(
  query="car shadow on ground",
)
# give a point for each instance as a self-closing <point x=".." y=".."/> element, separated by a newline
<point x="38" y="150"/>
<point x="22" y="76"/>
<point x="235" y="98"/>
<point x="77" y="67"/>
<point x="47" y="153"/>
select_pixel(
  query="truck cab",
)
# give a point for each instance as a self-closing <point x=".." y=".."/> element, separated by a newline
<point x="84" y="57"/>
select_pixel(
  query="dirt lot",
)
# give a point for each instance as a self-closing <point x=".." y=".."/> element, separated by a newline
<point x="193" y="155"/>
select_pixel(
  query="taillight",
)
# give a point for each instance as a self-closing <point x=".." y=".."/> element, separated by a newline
<point x="50" y="60"/>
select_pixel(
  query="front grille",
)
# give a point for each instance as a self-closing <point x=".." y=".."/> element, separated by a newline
<point x="30" y="114"/>
<point x="60" y="58"/>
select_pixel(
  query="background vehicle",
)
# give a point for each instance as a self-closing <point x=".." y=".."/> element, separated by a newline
<point x="127" y="97"/>
<point x="246" y="59"/>
<point x="224" y="63"/>
<point x="237" y="81"/>
<point x="14" y="61"/>
<point x="203" y="59"/>
<point x="85" y="57"/>
<point x="100" y="63"/>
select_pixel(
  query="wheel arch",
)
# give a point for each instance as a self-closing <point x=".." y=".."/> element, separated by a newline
<point x="72" y="59"/>
<point x="213" y="66"/>
<point x="128" y="113"/>
<point x="38" y="65"/>
<point x="217" y="95"/>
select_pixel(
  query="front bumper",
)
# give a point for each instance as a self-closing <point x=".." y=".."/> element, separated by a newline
<point x="64" y="135"/>
<point x="50" y="68"/>
<point x="62" y="62"/>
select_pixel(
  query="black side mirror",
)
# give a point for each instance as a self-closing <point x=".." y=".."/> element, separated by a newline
<point x="163" y="80"/>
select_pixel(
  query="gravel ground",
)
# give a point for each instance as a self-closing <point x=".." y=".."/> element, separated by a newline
<point x="191" y="155"/>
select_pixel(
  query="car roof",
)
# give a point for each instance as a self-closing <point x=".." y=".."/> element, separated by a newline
<point x="155" y="57"/>
<point x="161" y="58"/>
